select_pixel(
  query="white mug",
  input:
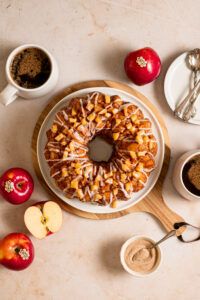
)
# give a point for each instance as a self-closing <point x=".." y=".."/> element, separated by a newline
<point x="178" y="175"/>
<point x="13" y="90"/>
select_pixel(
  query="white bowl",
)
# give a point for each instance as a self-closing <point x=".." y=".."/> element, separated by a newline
<point x="177" y="175"/>
<point x="122" y="255"/>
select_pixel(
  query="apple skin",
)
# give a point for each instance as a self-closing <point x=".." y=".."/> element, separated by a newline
<point x="142" y="66"/>
<point x="16" y="251"/>
<point x="16" y="185"/>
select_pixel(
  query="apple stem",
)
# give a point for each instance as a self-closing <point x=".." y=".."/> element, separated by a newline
<point x="20" y="185"/>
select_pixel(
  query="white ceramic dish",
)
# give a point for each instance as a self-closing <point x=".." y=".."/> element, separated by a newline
<point x="177" y="85"/>
<point x="177" y="175"/>
<point x="88" y="207"/>
<point x="122" y="255"/>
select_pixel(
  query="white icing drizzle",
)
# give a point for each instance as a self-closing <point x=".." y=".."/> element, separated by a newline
<point x="56" y="173"/>
<point x="61" y="124"/>
<point x="123" y="190"/>
<point x="65" y="115"/>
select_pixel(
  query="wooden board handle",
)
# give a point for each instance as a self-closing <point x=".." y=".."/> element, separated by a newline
<point x="157" y="207"/>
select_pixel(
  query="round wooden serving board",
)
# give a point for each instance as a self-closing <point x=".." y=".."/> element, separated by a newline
<point x="153" y="203"/>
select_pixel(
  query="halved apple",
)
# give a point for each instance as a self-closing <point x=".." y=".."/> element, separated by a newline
<point x="43" y="219"/>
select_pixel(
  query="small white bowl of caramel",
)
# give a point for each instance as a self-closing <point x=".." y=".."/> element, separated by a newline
<point x="139" y="257"/>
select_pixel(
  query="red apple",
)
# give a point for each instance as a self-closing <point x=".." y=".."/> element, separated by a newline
<point x="16" y="251"/>
<point x="142" y="66"/>
<point x="16" y="185"/>
<point x="43" y="219"/>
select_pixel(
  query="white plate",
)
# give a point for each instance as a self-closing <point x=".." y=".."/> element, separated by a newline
<point x="88" y="207"/>
<point x="177" y="85"/>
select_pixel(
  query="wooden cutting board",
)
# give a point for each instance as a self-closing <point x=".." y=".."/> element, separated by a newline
<point x="153" y="203"/>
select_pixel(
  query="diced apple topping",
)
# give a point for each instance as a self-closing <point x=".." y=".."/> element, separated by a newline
<point x="89" y="106"/>
<point x="128" y="186"/>
<point x="123" y="177"/>
<point x="72" y="120"/>
<point x="114" y="204"/>
<point x="52" y="155"/>
<point x="94" y="187"/>
<point x="115" y="191"/>
<point x="133" y="154"/>
<point x="97" y="108"/>
<point x="115" y="136"/>
<point x="146" y="138"/>
<point x="98" y="120"/>
<point x="78" y="171"/>
<point x="139" y="139"/>
<point x="125" y="111"/>
<point x="141" y="153"/>
<point x="59" y="137"/>
<point x="77" y="165"/>
<point x="91" y="117"/>
<point x="109" y="180"/>
<point x="65" y="154"/>
<point x="64" y="172"/>
<point x="133" y="118"/>
<point x="125" y="167"/>
<point x="139" y="167"/>
<point x="107" y="115"/>
<point x="71" y="146"/>
<point x="54" y="128"/>
<point x="73" y="112"/>
<point x="97" y="197"/>
<point x="80" y="193"/>
<point x="136" y="175"/>
<point x="114" y="111"/>
<point x="103" y="111"/>
<point x="64" y="143"/>
<point x="129" y="126"/>
<point x="151" y="144"/>
<point x="107" y="99"/>
<point x="74" y="184"/>
<point x="117" y="122"/>
<point x="133" y="147"/>
<point x="65" y="131"/>
<point x="83" y="122"/>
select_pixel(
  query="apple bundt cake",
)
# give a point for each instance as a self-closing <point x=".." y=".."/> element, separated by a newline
<point x="124" y="126"/>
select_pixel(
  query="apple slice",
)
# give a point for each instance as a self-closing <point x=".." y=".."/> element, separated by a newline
<point x="43" y="219"/>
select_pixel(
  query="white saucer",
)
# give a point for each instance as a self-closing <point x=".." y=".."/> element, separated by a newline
<point x="177" y="85"/>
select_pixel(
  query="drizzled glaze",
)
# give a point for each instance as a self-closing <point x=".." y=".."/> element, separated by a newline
<point x="67" y="149"/>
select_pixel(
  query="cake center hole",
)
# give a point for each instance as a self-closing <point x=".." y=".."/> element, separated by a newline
<point x="100" y="149"/>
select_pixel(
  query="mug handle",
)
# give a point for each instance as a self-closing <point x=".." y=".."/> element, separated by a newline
<point x="8" y="95"/>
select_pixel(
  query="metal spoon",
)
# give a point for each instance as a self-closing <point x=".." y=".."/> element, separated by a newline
<point x="193" y="60"/>
<point x="145" y="251"/>
<point x="194" y="63"/>
<point x="167" y="236"/>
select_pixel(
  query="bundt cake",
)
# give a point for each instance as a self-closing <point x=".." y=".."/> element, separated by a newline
<point x="124" y="126"/>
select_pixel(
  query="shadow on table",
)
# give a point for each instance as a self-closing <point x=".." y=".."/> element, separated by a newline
<point x="5" y="51"/>
<point x="110" y="255"/>
<point x="113" y="62"/>
<point x="13" y="219"/>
